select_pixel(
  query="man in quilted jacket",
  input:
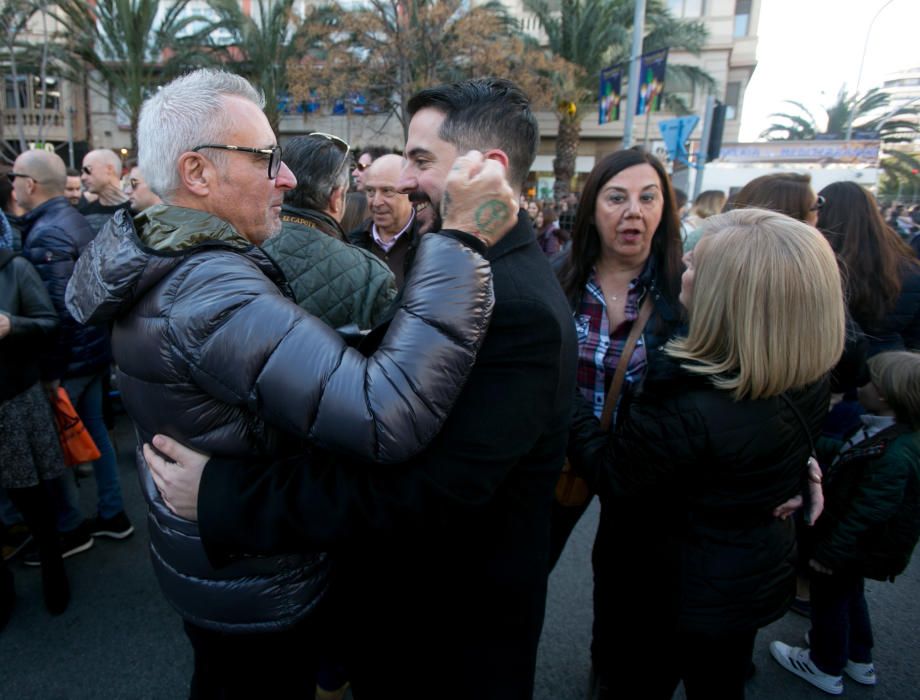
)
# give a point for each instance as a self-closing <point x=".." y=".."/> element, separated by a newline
<point x="340" y="284"/>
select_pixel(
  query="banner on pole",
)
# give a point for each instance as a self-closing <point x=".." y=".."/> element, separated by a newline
<point x="651" y="81"/>
<point x="610" y="89"/>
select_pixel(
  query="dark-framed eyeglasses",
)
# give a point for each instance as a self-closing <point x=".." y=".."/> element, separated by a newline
<point x="87" y="170"/>
<point x="819" y="203"/>
<point x="12" y="176"/>
<point x="273" y="153"/>
<point x="340" y="143"/>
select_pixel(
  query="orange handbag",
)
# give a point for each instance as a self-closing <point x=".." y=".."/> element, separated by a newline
<point x="76" y="442"/>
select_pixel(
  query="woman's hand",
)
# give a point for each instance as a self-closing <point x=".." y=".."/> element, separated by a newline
<point x="815" y="496"/>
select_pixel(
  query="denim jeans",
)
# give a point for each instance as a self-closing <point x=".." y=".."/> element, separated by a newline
<point x="86" y="395"/>
<point x="840" y="626"/>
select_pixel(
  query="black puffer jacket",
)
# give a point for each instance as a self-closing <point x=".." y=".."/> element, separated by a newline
<point x="722" y="466"/>
<point x="212" y="352"/>
<point x="54" y="235"/>
<point x="32" y="324"/>
<point x="900" y="329"/>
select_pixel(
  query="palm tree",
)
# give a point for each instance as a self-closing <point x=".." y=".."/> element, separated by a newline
<point x="387" y="50"/>
<point x="869" y="112"/>
<point x="591" y="34"/>
<point x="133" y="49"/>
<point x="259" y="46"/>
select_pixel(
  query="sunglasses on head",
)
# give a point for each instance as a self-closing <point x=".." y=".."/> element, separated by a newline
<point x="340" y="143"/>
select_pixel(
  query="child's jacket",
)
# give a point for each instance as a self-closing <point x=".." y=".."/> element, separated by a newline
<point x="871" y="520"/>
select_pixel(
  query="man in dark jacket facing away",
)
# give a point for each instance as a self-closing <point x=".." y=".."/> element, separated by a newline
<point x="444" y="562"/>
<point x="54" y="235"/>
<point x="340" y="284"/>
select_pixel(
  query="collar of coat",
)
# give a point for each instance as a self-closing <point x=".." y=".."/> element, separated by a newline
<point x="165" y="227"/>
<point x="312" y="219"/>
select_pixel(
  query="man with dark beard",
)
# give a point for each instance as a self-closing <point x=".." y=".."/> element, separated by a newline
<point x="444" y="560"/>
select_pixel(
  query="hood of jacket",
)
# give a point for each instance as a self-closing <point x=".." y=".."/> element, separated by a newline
<point x="129" y="256"/>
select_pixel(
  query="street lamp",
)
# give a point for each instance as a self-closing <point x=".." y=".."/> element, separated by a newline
<point x="859" y="75"/>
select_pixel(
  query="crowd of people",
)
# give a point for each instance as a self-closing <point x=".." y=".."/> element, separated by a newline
<point x="375" y="394"/>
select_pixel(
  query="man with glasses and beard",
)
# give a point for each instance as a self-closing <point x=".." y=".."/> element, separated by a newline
<point x="211" y="349"/>
<point x="340" y="284"/>
<point x="444" y="560"/>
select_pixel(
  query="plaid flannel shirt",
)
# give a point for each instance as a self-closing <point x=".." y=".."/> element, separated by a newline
<point x="599" y="348"/>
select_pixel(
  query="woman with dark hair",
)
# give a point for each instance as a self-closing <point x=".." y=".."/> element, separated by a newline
<point x="550" y="237"/>
<point x="623" y="266"/>
<point x="786" y="193"/>
<point x="882" y="272"/>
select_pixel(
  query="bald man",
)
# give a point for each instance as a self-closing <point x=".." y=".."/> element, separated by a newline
<point x="390" y="232"/>
<point x="54" y="235"/>
<point x="101" y="176"/>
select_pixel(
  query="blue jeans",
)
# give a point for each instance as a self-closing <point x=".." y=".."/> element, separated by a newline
<point x="840" y="626"/>
<point x="86" y="395"/>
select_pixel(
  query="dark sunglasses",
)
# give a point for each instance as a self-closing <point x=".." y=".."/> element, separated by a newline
<point x="819" y="202"/>
<point x="362" y="166"/>
<point x="87" y="170"/>
<point x="273" y="153"/>
<point x="340" y="143"/>
<point x="12" y="176"/>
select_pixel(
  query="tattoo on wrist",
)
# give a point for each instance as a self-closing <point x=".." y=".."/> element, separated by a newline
<point x="445" y="204"/>
<point x="490" y="216"/>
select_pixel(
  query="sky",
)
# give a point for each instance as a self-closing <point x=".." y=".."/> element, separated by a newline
<point x="808" y="49"/>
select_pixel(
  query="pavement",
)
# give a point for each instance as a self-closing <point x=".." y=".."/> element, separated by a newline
<point x="120" y="640"/>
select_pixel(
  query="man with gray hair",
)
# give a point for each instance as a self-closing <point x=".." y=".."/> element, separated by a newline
<point x="211" y="349"/>
<point x="338" y="283"/>
<point x="101" y="176"/>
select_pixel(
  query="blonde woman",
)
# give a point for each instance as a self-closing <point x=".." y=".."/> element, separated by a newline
<point x="720" y="435"/>
<point x="708" y="203"/>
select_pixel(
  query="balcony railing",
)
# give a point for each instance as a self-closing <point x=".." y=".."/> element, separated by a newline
<point x="33" y="118"/>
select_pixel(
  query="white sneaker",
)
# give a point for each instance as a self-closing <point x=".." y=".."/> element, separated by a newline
<point x="861" y="673"/>
<point x="798" y="661"/>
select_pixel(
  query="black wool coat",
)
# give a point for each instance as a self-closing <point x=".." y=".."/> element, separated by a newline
<point x="443" y="562"/>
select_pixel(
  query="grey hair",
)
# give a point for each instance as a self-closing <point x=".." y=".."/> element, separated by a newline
<point x="319" y="166"/>
<point x="185" y="113"/>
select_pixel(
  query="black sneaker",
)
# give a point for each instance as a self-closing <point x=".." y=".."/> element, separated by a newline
<point x="118" y="527"/>
<point x="73" y="542"/>
<point x="17" y="537"/>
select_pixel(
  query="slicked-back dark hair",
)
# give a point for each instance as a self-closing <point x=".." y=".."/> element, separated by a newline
<point x="586" y="240"/>
<point x="872" y="255"/>
<point x="317" y="163"/>
<point x="482" y="114"/>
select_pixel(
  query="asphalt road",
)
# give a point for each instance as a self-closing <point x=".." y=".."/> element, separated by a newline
<point x="120" y="640"/>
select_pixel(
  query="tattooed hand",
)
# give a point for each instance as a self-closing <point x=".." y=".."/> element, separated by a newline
<point x="478" y="199"/>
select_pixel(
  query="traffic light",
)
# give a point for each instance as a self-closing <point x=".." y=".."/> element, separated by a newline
<point x="715" y="132"/>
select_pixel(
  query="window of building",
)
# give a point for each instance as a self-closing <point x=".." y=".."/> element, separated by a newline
<point x="687" y="8"/>
<point x="742" y="17"/>
<point x="732" y="99"/>
<point x="31" y="93"/>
